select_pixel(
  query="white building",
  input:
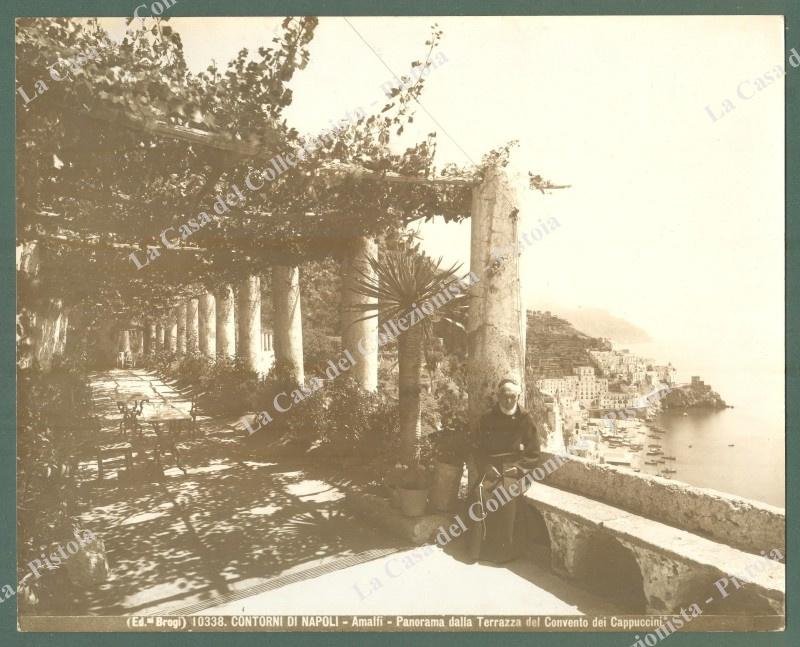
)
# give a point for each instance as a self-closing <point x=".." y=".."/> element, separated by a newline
<point x="584" y="386"/>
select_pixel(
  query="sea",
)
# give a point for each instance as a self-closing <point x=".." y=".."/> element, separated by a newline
<point x="739" y="450"/>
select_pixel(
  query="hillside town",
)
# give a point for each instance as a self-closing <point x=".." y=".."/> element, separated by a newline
<point x="604" y="411"/>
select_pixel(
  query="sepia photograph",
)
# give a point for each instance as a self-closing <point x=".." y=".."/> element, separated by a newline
<point x="400" y="323"/>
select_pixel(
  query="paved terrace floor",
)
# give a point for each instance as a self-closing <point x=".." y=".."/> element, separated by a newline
<point x="242" y="534"/>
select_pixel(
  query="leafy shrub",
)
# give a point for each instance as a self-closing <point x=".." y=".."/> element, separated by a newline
<point x="303" y="417"/>
<point x="230" y="387"/>
<point x="318" y="349"/>
<point x="451" y="440"/>
<point x="193" y="368"/>
<point x="337" y="421"/>
<point x="357" y="423"/>
<point x="54" y="424"/>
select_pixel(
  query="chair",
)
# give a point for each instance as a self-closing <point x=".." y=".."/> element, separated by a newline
<point x="193" y="398"/>
<point x="130" y="416"/>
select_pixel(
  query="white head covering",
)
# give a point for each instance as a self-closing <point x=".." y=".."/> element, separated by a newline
<point x="510" y="385"/>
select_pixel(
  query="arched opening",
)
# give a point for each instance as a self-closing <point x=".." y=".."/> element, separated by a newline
<point x="531" y="532"/>
<point x="611" y="571"/>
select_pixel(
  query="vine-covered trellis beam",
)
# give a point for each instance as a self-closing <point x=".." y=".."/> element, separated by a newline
<point x="208" y="139"/>
<point x="357" y="172"/>
<point x="228" y="143"/>
<point x="96" y="241"/>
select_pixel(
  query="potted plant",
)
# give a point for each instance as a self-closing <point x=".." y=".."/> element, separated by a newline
<point x="450" y="451"/>
<point x="413" y="483"/>
<point x="392" y="480"/>
<point x="450" y="448"/>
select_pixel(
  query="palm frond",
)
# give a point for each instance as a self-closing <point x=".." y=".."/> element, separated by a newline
<point x="403" y="282"/>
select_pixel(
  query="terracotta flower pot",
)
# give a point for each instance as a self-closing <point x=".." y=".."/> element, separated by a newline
<point x="444" y="490"/>
<point x="413" y="503"/>
<point x="394" y="497"/>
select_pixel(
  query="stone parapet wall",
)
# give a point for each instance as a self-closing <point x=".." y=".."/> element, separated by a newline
<point x="743" y="523"/>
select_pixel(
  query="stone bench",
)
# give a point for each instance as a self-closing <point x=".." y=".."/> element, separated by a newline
<point x="750" y="525"/>
<point x="677" y="567"/>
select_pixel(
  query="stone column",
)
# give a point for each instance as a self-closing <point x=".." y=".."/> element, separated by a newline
<point x="172" y="332"/>
<point x="208" y="325"/>
<point x="288" y="333"/>
<point x="193" y="326"/>
<point x="358" y="335"/>
<point x="160" y="336"/>
<point x="139" y="341"/>
<point x="496" y="321"/>
<point x="249" y="321"/>
<point x="496" y="318"/>
<point x="226" y="325"/>
<point x="125" y="341"/>
<point x="151" y="338"/>
<point x="180" y="312"/>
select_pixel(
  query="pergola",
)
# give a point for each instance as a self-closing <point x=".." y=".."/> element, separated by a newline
<point x="204" y="317"/>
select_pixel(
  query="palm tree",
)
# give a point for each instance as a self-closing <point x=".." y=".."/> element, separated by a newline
<point x="406" y="284"/>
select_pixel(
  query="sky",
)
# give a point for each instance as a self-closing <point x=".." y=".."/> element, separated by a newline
<point x="674" y="218"/>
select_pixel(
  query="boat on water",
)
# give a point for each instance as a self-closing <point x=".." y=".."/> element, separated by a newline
<point x="650" y="463"/>
<point x="670" y="458"/>
<point x="731" y="445"/>
<point x="669" y="471"/>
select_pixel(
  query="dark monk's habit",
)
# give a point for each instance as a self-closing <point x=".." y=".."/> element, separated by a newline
<point x="498" y="433"/>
